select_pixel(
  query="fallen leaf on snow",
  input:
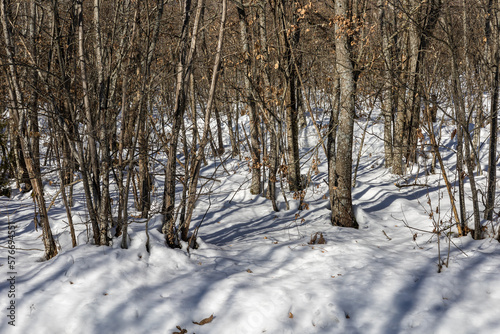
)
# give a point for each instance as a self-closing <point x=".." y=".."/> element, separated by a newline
<point x="204" y="321"/>
<point x="182" y="331"/>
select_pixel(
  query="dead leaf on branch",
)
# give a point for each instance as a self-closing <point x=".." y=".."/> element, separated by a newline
<point x="204" y="321"/>
<point x="453" y="134"/>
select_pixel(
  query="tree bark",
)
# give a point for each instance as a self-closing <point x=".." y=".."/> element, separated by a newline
<point x="342" y="211"/>
<point x="20" y="118"/>
<point x="183" y="71"/>
<point x="493" y="41"/>
<point x="388" y="96"/>
<point x="290" y="33"/>
<point x="193" y="194"/>
<point x="255" y="187"/>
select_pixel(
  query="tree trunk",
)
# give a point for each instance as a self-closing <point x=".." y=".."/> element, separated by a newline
<point x="493" y="41"/>
<point x="331" y="145"/>
<point x="183" y="70"/>
<point x="194" y="177"/>
<point x="460" y="108"/>
<point x="90" y="121"/>
<point x="342" y="211"/>
<point x="255" y="187"/>
<point x="104" y="124"/>
<point x="20" y="118"/>
<point x="388" y="96"/>
<point x="289" y="39"/>
<point x="269" y="116"/>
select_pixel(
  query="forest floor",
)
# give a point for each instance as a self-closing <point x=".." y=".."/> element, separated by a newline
<point x="255" y="270"/>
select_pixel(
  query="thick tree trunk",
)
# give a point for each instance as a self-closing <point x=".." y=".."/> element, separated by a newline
<point x="342" y="211"/>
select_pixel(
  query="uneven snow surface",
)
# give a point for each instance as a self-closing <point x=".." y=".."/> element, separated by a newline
<point x="255" y="271"/>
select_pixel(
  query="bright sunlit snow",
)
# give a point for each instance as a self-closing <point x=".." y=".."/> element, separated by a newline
<point x="255" y="270"/>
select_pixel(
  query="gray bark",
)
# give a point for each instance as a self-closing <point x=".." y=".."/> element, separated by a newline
<point x="255" y="187"/>
<point x="342" y="211"/>
<point x="20" y="114"/>
<point x="388" y="96"/>
<point x="183" y="69"/>
<point x="193" y="197"/>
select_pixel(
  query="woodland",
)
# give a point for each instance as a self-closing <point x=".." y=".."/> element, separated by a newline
<point x="120" y="119"/>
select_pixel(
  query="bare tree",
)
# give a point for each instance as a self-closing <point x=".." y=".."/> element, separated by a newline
<point x="20" y="115"/>
<point x="342" y="211"/>
<point x="248" y="70"/>
<point x="286" y="16"/>
<point x="183" y="70"/>
<point x="194" y="177"/>
<point x="493" y="42"/>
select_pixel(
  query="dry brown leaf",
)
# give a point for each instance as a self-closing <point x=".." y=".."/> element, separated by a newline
<point x="290" y="315"/>
<point x="182" y="331"/>
<point x="249" y="271"/>
<point x="204" y="321"/>
<point x="453" y="134"/>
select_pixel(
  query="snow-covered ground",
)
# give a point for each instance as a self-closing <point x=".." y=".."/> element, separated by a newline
<point x="255" y="271"/>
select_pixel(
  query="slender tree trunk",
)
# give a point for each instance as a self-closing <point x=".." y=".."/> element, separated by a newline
<point x="65" y="197"/>
<point x="183" y="70"/>
<point x="332" y="136"/>
<point x="20" y="118"/>
<point x="230" y="124"/>
<point x="255" y="187"/>
<point x="460" y="108"/>
<point x="493" y="43"/>
<point x="492" y="154"/>
<point x="290" y="34"/>
<point x="460" y="168"/>
<point x="193" y="197"/>
<point x="388" y="99"/>
<point x="398" y="167"/>
<point x="104" y="124"/>
<point x="270" y="117"/>
<point x="90" y="121"/>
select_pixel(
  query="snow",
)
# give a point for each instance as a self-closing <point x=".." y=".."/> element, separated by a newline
<point x="255" y="270"/>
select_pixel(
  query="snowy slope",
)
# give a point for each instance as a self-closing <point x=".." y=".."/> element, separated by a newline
<point x="255" y="271"/>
